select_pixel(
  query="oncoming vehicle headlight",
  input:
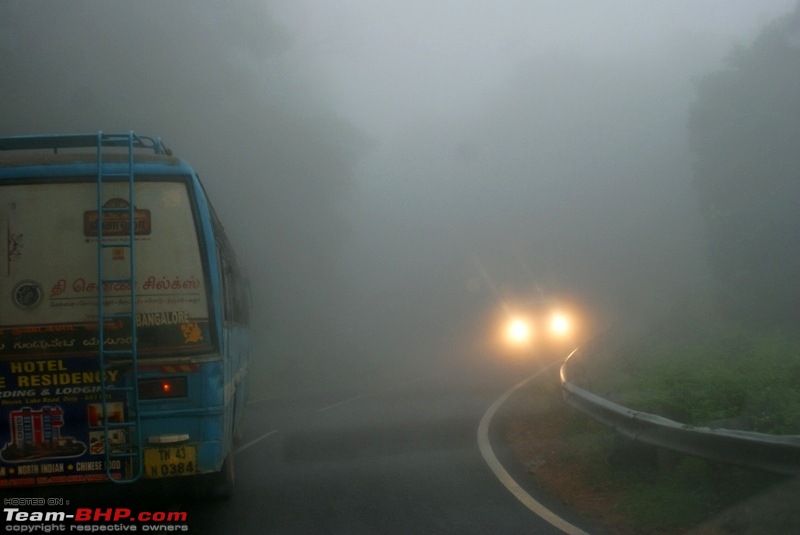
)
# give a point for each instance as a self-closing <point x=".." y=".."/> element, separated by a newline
<point x="518" y="331"/>
<point x="536" y="330"/>
<point x="560" y="324"/>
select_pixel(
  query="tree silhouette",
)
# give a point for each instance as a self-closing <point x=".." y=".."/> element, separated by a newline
<point x="745" y="134"/>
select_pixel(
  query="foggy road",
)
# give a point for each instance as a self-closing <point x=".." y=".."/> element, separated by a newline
<point x="400" y="460"/>
<point x="401" y="179"/>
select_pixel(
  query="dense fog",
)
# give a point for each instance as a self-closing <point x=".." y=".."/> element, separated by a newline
<point x="391" y="172"/>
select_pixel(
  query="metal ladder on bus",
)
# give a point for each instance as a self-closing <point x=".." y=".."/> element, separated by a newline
<point x="121" y="435"/>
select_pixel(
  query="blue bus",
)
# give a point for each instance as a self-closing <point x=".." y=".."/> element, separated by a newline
<point x="123" y="317"/>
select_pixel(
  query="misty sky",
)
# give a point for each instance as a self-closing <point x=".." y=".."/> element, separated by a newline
<point x="383" y="61"/>
<point x="600" y="88"/>
<point x="370" y="158"/>
<point x="548" y="139"/>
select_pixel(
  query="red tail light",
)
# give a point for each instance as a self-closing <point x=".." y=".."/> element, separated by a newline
<point x="163" y="388"/>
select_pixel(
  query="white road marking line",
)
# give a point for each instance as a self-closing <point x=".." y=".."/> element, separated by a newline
<point x="505" y="478"/>
<point x="367" y="394"/>
<point x="243" y="447"/>
<point x="340" y="403"/>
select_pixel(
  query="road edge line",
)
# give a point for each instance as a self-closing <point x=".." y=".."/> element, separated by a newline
<point x="505" y="478"/>
<point x="243" y="447"/>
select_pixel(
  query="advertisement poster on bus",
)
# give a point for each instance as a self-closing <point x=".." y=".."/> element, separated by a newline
<point x="53" y="415"/>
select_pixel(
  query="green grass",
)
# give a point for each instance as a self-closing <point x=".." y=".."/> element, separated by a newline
<point x="753" y="377"/>
<point x="696" y="368"/>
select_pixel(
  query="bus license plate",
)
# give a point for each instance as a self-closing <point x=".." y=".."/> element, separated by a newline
<point x="173" y="461"/>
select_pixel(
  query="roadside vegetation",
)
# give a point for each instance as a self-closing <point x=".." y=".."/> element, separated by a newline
<point x="705" y="372"/>
<point x="742" y="380"/>
<point x="731" y="357"/>
<point x="728" y="356"/>
<point x="690" y="369"/>
<point x="653" y="491"/>
<point x="696" y="368"/>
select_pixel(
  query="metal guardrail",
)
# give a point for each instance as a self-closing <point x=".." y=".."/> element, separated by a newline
<point x="774" y="453"/>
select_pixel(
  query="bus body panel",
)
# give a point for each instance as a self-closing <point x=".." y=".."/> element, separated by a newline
<point x="190" y="323"/>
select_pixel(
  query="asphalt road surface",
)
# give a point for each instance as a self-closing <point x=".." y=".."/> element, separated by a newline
<point x="403" y="458"/>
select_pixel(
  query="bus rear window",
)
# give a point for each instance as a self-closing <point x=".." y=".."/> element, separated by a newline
<point x="49" y="276"/>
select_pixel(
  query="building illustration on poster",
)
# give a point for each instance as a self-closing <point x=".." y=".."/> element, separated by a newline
<point x="36" y="434"/>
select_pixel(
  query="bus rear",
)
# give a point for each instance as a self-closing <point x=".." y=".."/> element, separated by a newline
<point x="122" y="341"/>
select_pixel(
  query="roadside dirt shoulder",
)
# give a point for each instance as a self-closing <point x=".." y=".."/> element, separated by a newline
<point x="541" y="442"/>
